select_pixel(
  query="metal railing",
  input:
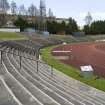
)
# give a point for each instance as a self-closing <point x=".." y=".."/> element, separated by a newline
<point x="20" y="61"/>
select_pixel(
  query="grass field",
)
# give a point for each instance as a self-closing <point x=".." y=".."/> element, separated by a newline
<point x="11" y="36"/>
<point x="70" y="71"/>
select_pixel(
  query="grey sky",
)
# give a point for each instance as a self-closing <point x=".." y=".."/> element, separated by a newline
<point x="72" y="8"/>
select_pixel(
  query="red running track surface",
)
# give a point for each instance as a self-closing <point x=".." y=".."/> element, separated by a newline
<point x="85" y="54"/>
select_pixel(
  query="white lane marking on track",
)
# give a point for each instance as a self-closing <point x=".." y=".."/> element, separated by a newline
<point x="21" y="84"/>
<point x="11" y="93"/>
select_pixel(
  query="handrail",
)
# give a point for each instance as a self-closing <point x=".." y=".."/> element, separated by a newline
<point x="20" y="57"/>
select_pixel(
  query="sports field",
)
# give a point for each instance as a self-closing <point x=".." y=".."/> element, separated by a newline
<point x="85" y="54"/>
<point x="11" y="36"/>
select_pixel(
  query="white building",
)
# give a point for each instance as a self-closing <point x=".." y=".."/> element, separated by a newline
<point x="9" y="27"/>
<point x="60" y="20"/>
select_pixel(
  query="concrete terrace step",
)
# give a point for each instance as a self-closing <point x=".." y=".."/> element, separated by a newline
<point x="36" y="79"/>
<point x="25" y="97"/>
<point x="94" y="96"/>
<point x="40" y="95"/>
<point x="46" y="90"/>
<point x="6" y="95"/>
<point x="72" y="92"/>
<point x="44" y="79"/>
<point x="30" y="87"/>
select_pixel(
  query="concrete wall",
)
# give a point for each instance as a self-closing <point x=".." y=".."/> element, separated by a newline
<point x="9" y="30"/>
<point x="78" y="34"/>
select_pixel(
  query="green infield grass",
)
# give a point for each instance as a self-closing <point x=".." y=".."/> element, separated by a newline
<point x="11" y="36"/>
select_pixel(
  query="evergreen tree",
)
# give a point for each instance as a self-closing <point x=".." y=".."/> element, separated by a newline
<point x="96" y="27"/>
<point x="71" y="26"/>
<point x="13" y="8"/>
<point x="21" y="23"/>
<point x="4" y="7"/>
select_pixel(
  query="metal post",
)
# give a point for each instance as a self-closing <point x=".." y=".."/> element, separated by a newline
<point x="20" y="61"/>
<point x="51" y="71"/>
<point x="70" y="54"/>
<point x="37" y="64"/>
<point x="18" y="51"/>
<point x="37" y="54"/>
<point x="1" y="56"/>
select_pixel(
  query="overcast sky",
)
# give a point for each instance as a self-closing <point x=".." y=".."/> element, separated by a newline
<point x="72" y="8"/>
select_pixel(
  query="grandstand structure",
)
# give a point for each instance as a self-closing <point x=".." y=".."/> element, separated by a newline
<point x="35" y="82"/>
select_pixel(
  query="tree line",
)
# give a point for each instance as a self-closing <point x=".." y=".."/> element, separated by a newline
<point x="96" y="27"/>
<point x="12" y="8"/>
<point x="53" y="27"/>
<point x="62" y="28"/>
<point x="5" y="6"/>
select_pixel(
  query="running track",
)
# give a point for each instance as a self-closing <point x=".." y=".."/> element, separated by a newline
<point x="86" y="54"/>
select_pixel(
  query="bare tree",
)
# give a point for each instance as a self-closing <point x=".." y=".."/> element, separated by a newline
<point x="37" y="12"/>
<point x="4" y="7"/>
<point x="32" y="10"/>
<point x="22" y="10"/>
<point x="13" y="7"/>
<point x="88" y="19"/>
<point x="50" y="13"/>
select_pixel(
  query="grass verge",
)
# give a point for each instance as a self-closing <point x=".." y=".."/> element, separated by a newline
<point x="11" y="36"/>
<point x="70" y="71"/>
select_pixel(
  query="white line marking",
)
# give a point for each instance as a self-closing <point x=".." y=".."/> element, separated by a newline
<point x="9" y="90"/>
<point x="78" y="95"/>
<point x="61" y="51"/>
<point x="49" y="90"/>
<point x="56" y="88"/>
<point x="35" y="86"/>
<point x="20" y="83"/>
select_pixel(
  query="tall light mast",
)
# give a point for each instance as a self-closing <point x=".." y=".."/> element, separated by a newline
<point x="42" y="22"/>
